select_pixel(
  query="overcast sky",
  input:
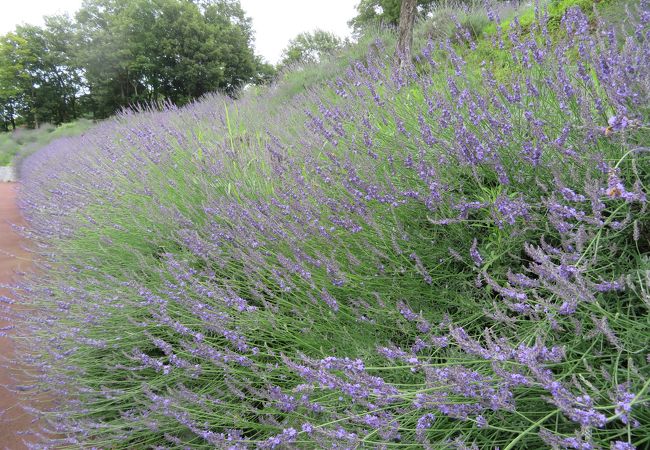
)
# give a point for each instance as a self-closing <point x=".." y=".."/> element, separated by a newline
<point x="274" y="21"/>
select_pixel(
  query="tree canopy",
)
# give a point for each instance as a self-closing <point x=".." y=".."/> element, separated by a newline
<point x="115" y="53"/>
<point x="386" y="12"/>
<point x="310" y="47"/>
<point x="39" y="79"/>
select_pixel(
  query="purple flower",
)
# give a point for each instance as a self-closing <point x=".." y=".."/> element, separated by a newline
<point x="571" y="196"/>
<point x="331" y="301"/>
<point x="624" y="399"/>
<point x="438" y="341"/>
<point x="476" y="256"/>
<point x="421" y="269"/>
<point x="406" y="311"/>
<point x="397" y="353"/>
<point x="573" y="442"/>
<point x="424" y="423"/>
<point x="618" y="123"/>
<point x="287" y="436"/>
<point x="508" y="210"/>
<point x="616" y="189"/>
<point x="609" y="286"/>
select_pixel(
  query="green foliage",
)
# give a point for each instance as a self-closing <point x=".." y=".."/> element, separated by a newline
<point x="265" y="72"/>
<point x="144" y="50"/>
<point x="439" y="26"/>
<point x="40" y="78"/>
<point x="498" y="60"/>
<point x="385" y="12"/>
<point x="117" y="53"/>
<point x="310" y="47"/>
<point x="23" y="142"/>
<point x="555" y="10"/>
<point x="12" y="80"/>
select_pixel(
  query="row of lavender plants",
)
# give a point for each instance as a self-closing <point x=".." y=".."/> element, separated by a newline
<point x="447" y="255"/>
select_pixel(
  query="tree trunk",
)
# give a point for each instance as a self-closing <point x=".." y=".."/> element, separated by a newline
<point x="73" y="106"/>
<point x="405" y="32"/>
<point x="12" y="119"/>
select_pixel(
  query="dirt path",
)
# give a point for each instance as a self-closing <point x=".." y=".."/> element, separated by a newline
<point x="13" y="258"/>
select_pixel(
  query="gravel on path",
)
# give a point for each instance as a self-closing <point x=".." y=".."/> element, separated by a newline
<point x="7" y="173"/>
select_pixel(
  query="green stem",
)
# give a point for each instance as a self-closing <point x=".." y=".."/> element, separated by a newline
<point x="530" y="429"/>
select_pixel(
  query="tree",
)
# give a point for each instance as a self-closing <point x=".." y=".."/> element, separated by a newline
<point x="122" y="52"/>
<point x="310" y="47"/>
<point x="232" y="32"/>
<point x="38" y="79"/>
<point x="384" y="12"/>
<point x="147" y="50"/>
<point x="264" y="72"/>
<point x="405" y="31"/>
<point x="13" y="79"/>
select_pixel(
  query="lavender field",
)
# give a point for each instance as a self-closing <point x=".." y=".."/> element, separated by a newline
<point x="448" y="255"/>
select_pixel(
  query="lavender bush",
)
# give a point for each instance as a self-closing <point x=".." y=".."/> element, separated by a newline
<point x="430" y="257"/>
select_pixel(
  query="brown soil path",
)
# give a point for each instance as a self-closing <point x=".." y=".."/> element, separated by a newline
<point x="13" y="258"/>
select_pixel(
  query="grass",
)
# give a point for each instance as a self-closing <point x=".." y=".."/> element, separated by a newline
<point x="23" y="142"/>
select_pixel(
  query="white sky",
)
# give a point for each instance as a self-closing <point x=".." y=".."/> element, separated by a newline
<point x="274" y="21"/>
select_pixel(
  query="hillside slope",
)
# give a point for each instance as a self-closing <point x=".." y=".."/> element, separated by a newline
<point x="451" y="255"/>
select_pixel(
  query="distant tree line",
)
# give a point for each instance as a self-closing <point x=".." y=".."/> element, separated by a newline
<point x="116" y="53"/>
